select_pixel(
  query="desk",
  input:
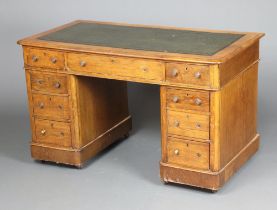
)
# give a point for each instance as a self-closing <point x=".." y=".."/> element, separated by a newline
<point x="76" y="78"/>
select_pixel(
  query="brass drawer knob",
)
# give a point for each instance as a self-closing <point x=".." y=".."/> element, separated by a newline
<point x="176" y="152"/>
<point x="41" y="105"/>
<point x="43" y="132"/>
<point x="54" y="60"/>
<point x="34" y="58"/>
<point x="176" y="123"/>
<point x="174" y="73"/>
<point x="57" y="85"/>
<point x="198" y="101"/>
<point x="175" y="99"/>
<point x="145" y="69"/>
<point x="83" y="63"/>
<point x="197" y="75"/>
<point x="40" y="81"/>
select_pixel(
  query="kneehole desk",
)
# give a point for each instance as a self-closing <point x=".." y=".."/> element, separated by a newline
<point x="77" y="77"/>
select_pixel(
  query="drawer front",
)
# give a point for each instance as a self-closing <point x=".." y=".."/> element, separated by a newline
<point x="49" y="83"/>
<point x="44" y="58"/>
<point x="117" y="66"/>
<point x="188" y="153"/>
<point x="52" y="132"/>
<point x="188" y="74"/>
<point x="52" y="107"/>
<point x="188" y="124"/>
<point x="187" y="99"/>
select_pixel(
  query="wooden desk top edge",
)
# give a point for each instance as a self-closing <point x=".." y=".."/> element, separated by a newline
<point x="219" y="57"/>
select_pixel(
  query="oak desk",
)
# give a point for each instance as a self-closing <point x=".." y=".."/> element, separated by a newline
<point x="76" y="80"/>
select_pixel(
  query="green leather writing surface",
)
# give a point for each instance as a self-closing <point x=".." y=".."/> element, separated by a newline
<point x="140" y="38"/>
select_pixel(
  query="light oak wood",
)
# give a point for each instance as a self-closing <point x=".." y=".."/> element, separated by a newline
<point x="78" y="103"/>
<point x="188" y="73"/>
<point x="101" y="104"/>
<point x="206" y="179"/>
<point x="52" y="133"/>
<point x="78" y="157"/>
<point x="51" y="106"/>
<point x="44" y="58"/>
<point x="189" y="154"/>
<point x="109" y="65"/>
<point x="185" y="99"/>
<point x="238" y="97"/>
<point x="49" y="83"/>
<point x="188" y="124"/>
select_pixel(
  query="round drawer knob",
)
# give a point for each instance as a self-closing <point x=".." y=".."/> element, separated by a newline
<point x="54" y="60"/>
<point x="176" y="152"/>
<point x="176" y="123"/>
<point x="174" y="72"/>
<point x="197" y="75"/>
<point x="41" y="105"/>
<point x="198" y="125"/>
<point x="198" y="101"/>
<point x="175" y="99"/>
<point x="145" y="69"/>
<point x="34" y="58"/>
<point x="57" y="85"/>
<point x="40" y="81"/>
<point x="83" y="63"/>
<point x="43" y="132"/>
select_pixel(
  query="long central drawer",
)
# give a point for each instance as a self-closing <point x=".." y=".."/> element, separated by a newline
<point x="116" y="66"/>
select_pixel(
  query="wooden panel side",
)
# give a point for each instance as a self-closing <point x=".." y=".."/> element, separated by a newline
<point x="163" y="102"/>
<point x="101" y="104"/>
<point x="30" y="103"/>
<point x="238" y="63"/>
<point x="238" y="114"/>
<point x="214" y="131"/>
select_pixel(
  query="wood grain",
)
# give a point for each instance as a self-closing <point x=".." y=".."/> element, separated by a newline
<point x="188" y="124"/>
<point x="189" y="154"/>
<point x="51" y="106"/>
<point x="237" y="129"/>
<point x="188" y="73"/>
<point x="186" y="99"/>
<point x="44" y="58"/>
<point x="49" y="83"/>
<point x="52" y="133"/>
<point x="108" y="65"/>
<point x="101" y="104"/>
<point x="77" y="110"/>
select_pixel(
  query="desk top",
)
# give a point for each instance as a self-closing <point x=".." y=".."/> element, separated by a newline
<point x="143" y="41"/>
<point x="142" y="38"/>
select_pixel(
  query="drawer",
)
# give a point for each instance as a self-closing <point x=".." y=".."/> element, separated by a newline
<point x="51" y="107"/>
<point x="188" y="100"/>
<point x="188" y="74"/>
<point x="188" y="153"/>
<point x="44" y="58"/>
<point x="52" y="132"/>
<point x="51" y="83"/>
<point x="188" y="124"/>
<point x="111" y="66"/>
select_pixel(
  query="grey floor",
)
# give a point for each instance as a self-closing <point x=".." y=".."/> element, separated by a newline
<point x="125" y="176"/>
